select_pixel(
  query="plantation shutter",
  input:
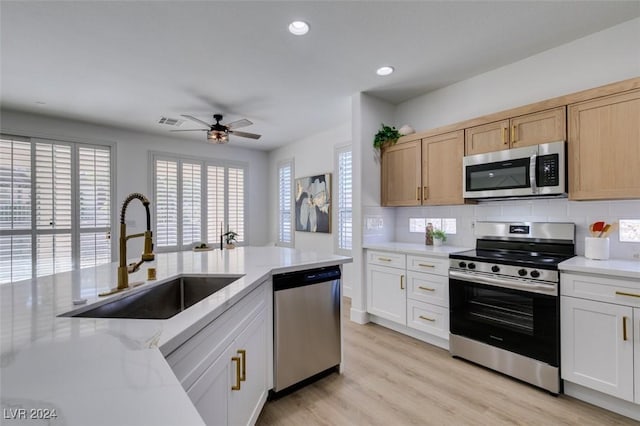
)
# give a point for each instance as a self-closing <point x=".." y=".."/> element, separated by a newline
<point x="191" y="203"/>
<point x="345" y="207"/>
<point x="94" y="184"/>
<point x="215" y="203"/>
<point x="285" y="184"/>
<point x="166" y="202"/>
<point x="15" y="209"/>
<point x="235" y="199"/>
<point x="53" y="208"/>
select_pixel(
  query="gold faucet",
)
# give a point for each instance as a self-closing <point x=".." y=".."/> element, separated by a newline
<point x="147" y="254"/>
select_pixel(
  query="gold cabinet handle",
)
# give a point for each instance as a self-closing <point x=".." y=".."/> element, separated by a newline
<point x="425" y="192"/>
<point x="624" y="328"/>
<point x="504" y="136"/>
<point x="513" y="134"/>
<point x="427" y="318"/>
<point x="401" y="282"/>
<point x="622" y="293"/>
<point x="426" y="288"/>
<point x="426" y="265"/>
<point x="236" y="359"/>
<point x="243" y="358"/>
<point x="418" y="193"/>
<point x="384" y="259"/>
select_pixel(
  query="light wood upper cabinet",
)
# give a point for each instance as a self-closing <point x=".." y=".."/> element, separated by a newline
<point x="401" y="179"/>
<point x="487" y="138"/>
<point x="530" y="129"/>
<point x="442" y="169"/>
<point x="541" y="127"/>
<point x="604" y="147"/>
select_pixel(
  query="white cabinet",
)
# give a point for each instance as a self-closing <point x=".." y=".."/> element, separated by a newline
<point x="600" y="322"/>
<point x="412" y="291"/>
<point x="225" y="366"/>
<point x="386" y="293"/>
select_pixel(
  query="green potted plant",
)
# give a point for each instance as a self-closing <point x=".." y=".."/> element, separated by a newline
<point x="439" y="237"/>
<point x="387" y="135"/>
<point x="230" y="239"/>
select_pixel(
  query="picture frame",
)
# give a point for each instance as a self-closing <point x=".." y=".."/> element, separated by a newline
<point x="313" y="203"/>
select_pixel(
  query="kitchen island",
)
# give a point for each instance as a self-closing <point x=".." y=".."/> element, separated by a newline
<point x="113" y="371"/>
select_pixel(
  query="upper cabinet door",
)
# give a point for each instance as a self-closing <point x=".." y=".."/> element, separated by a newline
<point x="538" y="128"/>
<point x="442" y="168"/>
<point x="401" y="185"/>
<point x="604" y="147"/>
<point x="487" y="138"/>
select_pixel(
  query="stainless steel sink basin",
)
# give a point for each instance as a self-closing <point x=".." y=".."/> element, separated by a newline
<point x="159" y="302"/>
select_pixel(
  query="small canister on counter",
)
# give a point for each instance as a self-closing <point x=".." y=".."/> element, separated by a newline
<point x="151" y="274"/>
<point x="428" y="234"/>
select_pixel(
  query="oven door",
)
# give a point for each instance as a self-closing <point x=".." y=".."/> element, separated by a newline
<point x="515" y="320"/>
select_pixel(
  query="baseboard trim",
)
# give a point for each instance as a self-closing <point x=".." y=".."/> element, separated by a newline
<point x="602" y="400"/>
<point x="358" y="316"/>
<point x="420" y="335"/>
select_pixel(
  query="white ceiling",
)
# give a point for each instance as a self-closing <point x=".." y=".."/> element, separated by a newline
<point x="128" y="63"/>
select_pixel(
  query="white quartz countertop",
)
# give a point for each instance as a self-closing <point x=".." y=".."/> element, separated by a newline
<point x="612" y="267"/>
<point x="113" y="371"/>
<point x="419" y="249"/>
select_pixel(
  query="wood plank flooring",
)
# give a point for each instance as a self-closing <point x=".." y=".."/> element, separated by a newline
<point x="391" y="379"/>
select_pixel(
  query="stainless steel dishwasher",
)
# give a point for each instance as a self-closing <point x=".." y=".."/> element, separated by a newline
<point x="306" y="326"/>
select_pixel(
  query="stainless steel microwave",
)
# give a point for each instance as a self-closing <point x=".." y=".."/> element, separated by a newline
<point x="537" y="170"/>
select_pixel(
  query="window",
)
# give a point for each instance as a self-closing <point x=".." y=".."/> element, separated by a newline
<point x="418" y="224"/>
<point x="56" y="211"/>
<point x="196" y="200"/>
<point x="345" y="205"/>
<point x="285" y="200"/>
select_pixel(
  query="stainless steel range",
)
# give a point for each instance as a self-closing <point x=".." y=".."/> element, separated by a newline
<point x="504" y="299"/>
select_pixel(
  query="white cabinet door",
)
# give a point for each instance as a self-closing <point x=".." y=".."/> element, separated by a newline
<point x="636" y="350"/>
<point x="209" y="393"/>
<point x="386" y="293"/>
<point x="245" y="404"/>
<point x="595" y="353"/>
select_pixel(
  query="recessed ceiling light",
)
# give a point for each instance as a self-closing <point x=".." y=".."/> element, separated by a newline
<point x="298" y="28"/>
<point x="386" y="70"/>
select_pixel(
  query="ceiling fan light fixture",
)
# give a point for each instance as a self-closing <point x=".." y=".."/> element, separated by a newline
<point x="217" y="137"/>
<point x="386" y="70"/>
<point x="298" y="28"/>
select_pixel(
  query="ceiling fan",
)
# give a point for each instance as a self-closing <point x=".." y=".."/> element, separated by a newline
<point x="219" y="133"/>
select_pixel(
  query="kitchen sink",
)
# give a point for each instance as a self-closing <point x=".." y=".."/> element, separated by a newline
<point x="159" y="302"/>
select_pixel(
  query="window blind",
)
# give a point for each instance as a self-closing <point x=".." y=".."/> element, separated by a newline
<point x="55" y="211"/>
<point x="191" y="203"/>
<point x="285" y="184"/>
<point x="215" y="203"/>
<point x="166" y="203"/>
<point x="235" y="199"/>
<point x="345" y="207"/>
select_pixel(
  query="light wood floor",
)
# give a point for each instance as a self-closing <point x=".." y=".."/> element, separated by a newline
<point x="391" y="379"/>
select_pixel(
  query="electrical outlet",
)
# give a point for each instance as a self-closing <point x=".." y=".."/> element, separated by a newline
<point x="636" y="256"/>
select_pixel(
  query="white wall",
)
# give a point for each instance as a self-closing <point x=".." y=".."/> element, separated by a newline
<point x="313" y="155"/>
<point x="132" y="158"/>
<point x="601" y="58"/>
<point x="598" y="59"/>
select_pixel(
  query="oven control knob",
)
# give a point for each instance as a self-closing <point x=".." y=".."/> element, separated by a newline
<point x="495" y="268"/>
<point x="522" y="272"/>
<point x="472" y="266"/>
<point x="535" y="274"/>
<point x="462" y="264"/>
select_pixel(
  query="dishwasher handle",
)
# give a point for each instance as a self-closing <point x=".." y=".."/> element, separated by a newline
<point x="304" y="278"/>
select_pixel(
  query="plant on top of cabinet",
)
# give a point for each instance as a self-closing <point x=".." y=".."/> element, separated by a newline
<point x="387" y="135"/>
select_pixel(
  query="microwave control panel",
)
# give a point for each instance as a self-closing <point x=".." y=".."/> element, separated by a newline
<point x="547" y="173"/>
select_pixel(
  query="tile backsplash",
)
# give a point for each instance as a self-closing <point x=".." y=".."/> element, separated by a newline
<point x="395" y="221"/>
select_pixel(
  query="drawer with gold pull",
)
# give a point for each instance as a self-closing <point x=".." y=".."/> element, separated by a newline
<point x="429" y="318"/>
<point x="431" y="265"/>
<point x="621" y="291"/>
<point x="428" y="288"/>
<point x="383" y="258"/>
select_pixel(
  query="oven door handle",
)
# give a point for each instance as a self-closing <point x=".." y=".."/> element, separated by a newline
<point x="505" y="282"/>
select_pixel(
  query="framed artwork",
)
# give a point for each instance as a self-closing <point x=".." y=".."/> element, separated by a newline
<point x="313" y="203"/>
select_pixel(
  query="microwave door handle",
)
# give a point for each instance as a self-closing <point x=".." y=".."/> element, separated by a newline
<point x="532" y="172"/>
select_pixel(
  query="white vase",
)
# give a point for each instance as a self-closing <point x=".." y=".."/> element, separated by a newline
<point x="437" y="242"/>
<point x="596" y="248"/>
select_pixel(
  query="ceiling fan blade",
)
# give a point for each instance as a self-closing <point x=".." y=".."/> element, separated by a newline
<point x="245" y="134"/>
<point x="190" y="130"/>
<point x="197" y="120"/>
<point x="239" y="123"/>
